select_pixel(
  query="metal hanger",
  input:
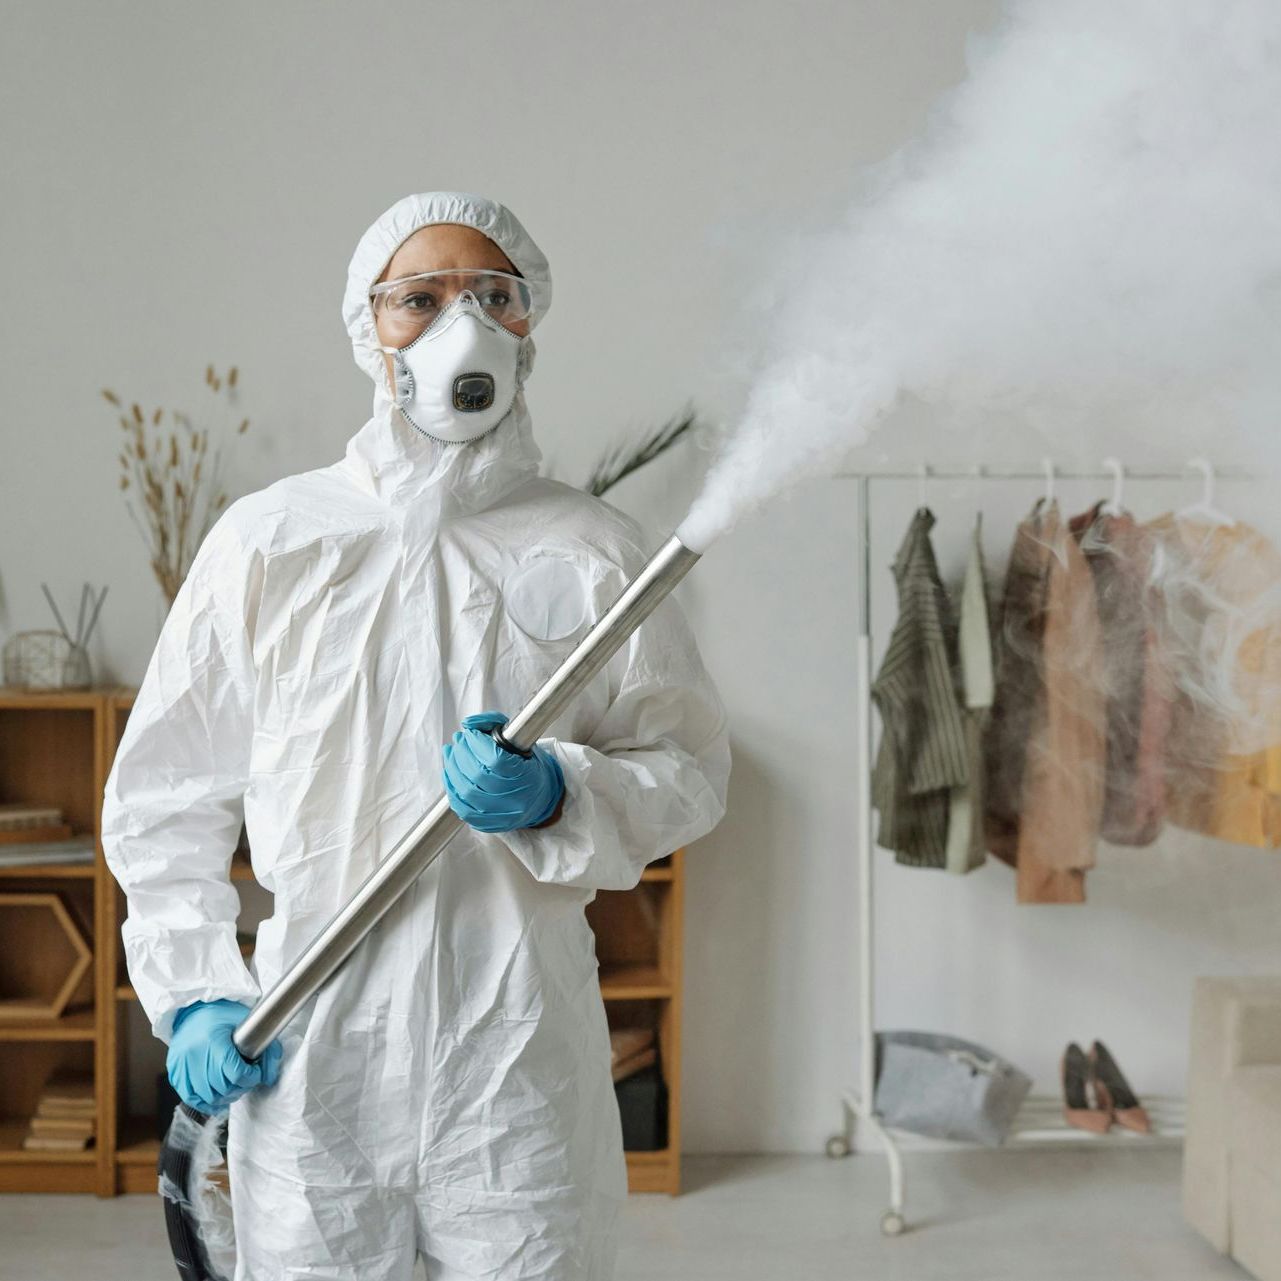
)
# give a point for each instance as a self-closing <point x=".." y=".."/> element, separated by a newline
<point x="1204" y="508"/>
<point x="1113" y="505"/>
<point x="1047" y="466"/>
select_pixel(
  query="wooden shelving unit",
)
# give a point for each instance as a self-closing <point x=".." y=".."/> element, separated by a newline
<point x="57" y="749"/>
<point x="52" y="752"/>
<point x="639" y="935"/>
<point x="113" y="985"/>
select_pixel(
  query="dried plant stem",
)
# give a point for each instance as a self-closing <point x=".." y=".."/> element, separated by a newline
<point x="170" y="481"/>
<point x="622" y="460"/>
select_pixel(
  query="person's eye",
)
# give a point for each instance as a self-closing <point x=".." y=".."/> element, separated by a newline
<point x="495" y="298"/>
<point x="418" y="303"/>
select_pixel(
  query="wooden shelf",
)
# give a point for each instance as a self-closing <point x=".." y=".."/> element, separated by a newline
<point x="136" y="1156"/>
<point x="76" y="1026"/>
<point x="49" y="872"/>
<point x="12" y="1132"/>
<point x="52" y="871"/>
<point x="654" y="1171"/>
<point x="634" y="983"/>
<point x="138" y="1142"/>
<point x="73" y="700"/>
<point x="143" y="1152"/>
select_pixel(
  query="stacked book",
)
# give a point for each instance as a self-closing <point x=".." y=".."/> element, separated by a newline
<point x="19" y="822"/>
<point x="37" y="834"/>
<point x="631" y="1049"/>
<point x="65" y="1116"/>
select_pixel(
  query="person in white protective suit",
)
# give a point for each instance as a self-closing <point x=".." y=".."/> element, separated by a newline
<point x="448" y="1094"/>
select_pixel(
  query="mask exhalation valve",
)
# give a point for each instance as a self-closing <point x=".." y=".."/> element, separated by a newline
<point x="473" y="392"/>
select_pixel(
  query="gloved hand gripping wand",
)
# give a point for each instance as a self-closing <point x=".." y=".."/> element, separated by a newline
<point x="420" y="846"/>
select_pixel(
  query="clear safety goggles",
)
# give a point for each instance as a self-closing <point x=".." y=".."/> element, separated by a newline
<point x="409" y="305"/>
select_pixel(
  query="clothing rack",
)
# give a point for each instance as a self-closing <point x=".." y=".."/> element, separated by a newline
<point x="858" y="1100"/>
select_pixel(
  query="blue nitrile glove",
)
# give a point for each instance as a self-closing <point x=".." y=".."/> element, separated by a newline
<point x="204" y="1066"/>
<point x="495" y="790"/>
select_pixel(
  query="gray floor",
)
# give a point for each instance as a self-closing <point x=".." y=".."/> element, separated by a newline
<point x="1005" y="1216"/>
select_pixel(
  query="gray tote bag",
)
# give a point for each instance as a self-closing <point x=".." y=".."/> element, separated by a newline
<point x="946" y="1088"/>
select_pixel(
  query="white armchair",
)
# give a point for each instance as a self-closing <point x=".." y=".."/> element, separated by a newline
<point x="1232" y="1151"/>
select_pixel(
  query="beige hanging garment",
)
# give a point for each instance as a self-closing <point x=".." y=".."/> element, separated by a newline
<point x="1047" y="745"/>
<point x="1220" y="628"/>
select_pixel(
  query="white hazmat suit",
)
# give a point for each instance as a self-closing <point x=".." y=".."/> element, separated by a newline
<point x="449" y="1092"/>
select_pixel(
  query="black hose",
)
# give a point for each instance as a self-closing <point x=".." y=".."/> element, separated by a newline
<point x="175" y="1170"/>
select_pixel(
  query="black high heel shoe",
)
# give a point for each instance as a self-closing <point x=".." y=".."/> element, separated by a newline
<point x="1114" y="1091"/>
<point x="1078" y="1108"/>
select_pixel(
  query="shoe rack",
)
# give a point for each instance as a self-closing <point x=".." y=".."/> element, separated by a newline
<point x="60" y="954"/>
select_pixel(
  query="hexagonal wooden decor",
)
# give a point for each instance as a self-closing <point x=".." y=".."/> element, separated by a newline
<point x="43" y="958"/>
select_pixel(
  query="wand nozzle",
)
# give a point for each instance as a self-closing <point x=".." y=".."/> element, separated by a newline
<point x="422" y="844"/>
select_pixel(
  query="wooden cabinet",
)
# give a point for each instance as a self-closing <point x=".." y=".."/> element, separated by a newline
<point x="57" y="749"/>
<point x="52" y="753"/>
<point x="638" y="945"/>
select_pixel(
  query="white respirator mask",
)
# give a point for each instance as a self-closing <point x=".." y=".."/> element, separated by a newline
<point x="457" y="380"/>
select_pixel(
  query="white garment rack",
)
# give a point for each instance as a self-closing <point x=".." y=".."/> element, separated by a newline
<point x="858" y="1100"/>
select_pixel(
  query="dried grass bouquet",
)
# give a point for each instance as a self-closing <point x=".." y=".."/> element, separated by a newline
<point x="171" y="481"/>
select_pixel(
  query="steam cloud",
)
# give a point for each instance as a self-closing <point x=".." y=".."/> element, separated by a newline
<point x="1089" y="231"/>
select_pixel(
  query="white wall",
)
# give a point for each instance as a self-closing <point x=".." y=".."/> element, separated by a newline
<point x="186" y="184"/>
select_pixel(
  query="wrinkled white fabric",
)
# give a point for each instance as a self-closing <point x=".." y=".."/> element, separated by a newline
<point x="449" y="1092"/>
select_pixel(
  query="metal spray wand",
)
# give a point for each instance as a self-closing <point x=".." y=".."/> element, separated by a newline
<point x="422" y="844"/>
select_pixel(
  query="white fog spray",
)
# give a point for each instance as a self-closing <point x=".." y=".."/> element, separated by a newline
<point x="1088" y="231"/>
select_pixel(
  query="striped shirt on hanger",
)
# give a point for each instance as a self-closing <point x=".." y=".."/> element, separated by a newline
<point x="922" y="753"/>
